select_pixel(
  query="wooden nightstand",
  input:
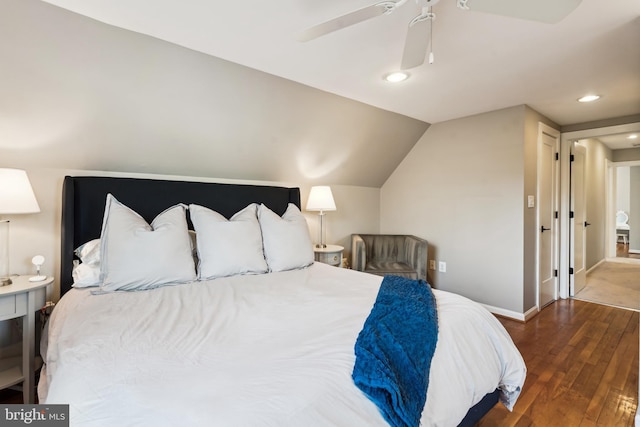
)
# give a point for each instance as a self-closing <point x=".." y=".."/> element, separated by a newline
<point x="331" y="255"/>
<point x="22" y="299"/>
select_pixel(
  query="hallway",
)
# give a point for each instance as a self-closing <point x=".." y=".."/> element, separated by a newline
<point x="615" y="282"/>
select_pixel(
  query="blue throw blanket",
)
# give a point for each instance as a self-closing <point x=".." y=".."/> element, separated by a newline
<point x="395" y="348"/>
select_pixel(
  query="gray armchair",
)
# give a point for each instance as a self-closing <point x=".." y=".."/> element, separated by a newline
<point x="381" y="254"/>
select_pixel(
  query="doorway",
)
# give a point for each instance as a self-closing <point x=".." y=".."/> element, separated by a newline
<point x="595" y="274"/>
<point x="625" y="202"/>
<point x="602" y="237"/>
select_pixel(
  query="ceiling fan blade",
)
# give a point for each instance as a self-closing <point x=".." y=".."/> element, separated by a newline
<point x="348" y="20"/>
<point x="416" y="43"/>
<point x="548" y="11"/>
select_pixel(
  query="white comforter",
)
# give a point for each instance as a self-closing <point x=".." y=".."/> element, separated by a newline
<point x="266" y="350"/>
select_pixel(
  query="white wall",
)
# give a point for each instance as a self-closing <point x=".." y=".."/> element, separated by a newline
<point x="357" y="208"/>
<point x="461" y="188"/>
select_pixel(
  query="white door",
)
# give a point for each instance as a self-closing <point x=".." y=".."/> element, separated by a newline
<point x="548" y="142"/>
<point x="579" y="221"/>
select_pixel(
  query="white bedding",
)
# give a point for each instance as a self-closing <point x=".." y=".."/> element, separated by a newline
<point x="259" y="350"/>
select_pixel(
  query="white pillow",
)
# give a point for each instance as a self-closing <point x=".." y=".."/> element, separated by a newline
<point x="227" y="247"/>
<point x="136" y="255"/>
<point x="86" y="272"/>
<point x="85" y="275"/>
<point x="89" y="253"/>
<point x="287" y="243"/>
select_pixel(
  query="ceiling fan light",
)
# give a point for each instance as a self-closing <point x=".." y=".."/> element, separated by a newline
<point x="396" y="76"/>
<point x="589" y="98"/>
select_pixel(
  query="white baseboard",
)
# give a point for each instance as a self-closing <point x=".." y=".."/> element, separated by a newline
<point x="597" y="264"/>
<point x="523" y="317"/>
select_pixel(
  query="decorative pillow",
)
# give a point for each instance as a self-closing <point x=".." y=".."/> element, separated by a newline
<point x="286" y="240"/>
<point x="89" y="253"/>
<point x="227" y="247"/>
<point x="85" y="275"/>
<point x="136" y="255"/>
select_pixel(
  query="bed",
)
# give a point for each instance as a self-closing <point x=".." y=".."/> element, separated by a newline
<point x="274" y="348"/>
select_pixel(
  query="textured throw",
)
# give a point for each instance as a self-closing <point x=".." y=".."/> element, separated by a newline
<point x="395" y="348"/>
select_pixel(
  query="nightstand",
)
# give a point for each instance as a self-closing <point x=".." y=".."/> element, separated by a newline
<point x="22" y="299"/>
<point x="331" y="255"/>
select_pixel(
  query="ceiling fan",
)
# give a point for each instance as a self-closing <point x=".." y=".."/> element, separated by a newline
<point x="419" y="29"/>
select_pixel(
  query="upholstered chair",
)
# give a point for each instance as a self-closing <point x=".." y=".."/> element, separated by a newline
<point x="382" y="254"/>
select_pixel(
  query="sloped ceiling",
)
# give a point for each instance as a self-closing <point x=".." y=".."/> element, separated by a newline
<point x="80" y="94"/>
<point x="482" y="63"/>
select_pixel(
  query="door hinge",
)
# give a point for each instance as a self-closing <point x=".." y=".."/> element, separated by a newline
<point x="571" y="214"/>
<point x="557" y="156"/>
<point x="556" y="215"/>
<point x="555" y="273"/>
<point x="572" y="158"/>
<point x="570" y="270"/>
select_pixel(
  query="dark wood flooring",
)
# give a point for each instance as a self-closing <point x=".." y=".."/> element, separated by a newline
<point x="582" y="362"/>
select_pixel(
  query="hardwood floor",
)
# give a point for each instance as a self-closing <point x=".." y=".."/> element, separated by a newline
<point x="582" y="362"/>
<point x="622" y="251"/>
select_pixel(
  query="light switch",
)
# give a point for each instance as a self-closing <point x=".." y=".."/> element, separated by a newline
<point x="531" y="201"/>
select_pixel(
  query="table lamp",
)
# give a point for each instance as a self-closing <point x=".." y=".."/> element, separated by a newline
<point x="16" y="197"/>
<point x="321" y="199"/>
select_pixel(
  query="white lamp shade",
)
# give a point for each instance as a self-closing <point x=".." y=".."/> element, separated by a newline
<point x="321" y="199"/>
<point x="16" y="194"/>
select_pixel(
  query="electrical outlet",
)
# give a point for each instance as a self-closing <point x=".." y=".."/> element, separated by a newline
<point x="442" y="267"/>
<point x="432" y="264"/>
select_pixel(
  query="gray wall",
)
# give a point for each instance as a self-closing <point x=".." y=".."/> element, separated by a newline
<point x="595" y="186"/>
<point x="80" y="94"/>
<point x="623" y="192"/>
<point x="626" y="155"/>
<point x="461" y="188"/>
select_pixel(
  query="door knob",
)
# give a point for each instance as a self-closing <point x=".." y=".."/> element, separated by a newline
<point x="586" y="224"/>
<point x="543" y="229"/>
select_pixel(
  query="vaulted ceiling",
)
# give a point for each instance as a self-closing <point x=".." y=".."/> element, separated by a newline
<point x="482" y="62"/>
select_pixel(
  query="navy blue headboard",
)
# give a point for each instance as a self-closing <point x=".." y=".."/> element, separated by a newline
<point x="83" y="201"/>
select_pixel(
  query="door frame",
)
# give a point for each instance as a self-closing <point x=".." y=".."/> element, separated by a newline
<point x="577" y="222"/>
<point x="565" y="191"/>
<point x="612" y="187"/>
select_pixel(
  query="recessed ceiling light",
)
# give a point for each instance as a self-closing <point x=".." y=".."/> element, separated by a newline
<point x="396" y="76"/>
<point x="589" y="98"/>
<point x="632" y="136"/>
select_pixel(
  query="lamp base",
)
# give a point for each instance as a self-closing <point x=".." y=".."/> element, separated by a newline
<point x="5" y="281"/>
<point x="37" y="278"/>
